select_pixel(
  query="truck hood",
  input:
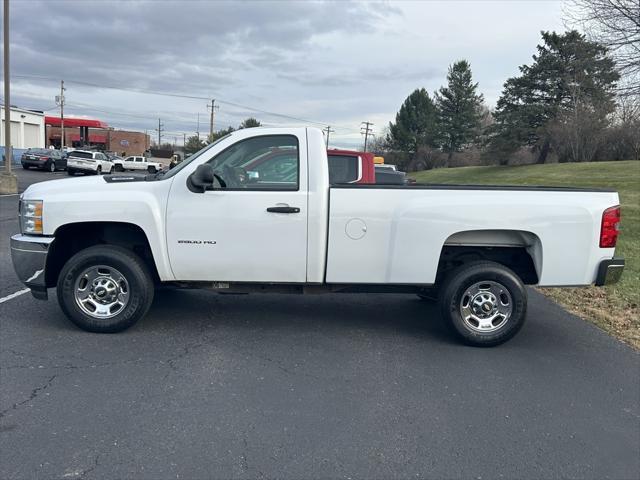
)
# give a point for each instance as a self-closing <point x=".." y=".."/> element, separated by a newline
<point x="85" y="185"/>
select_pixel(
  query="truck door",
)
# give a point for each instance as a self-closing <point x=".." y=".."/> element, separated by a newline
<point x="252" y="226"/>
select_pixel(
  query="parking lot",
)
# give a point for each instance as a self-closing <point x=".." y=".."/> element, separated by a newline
<point x="264" y="386"/>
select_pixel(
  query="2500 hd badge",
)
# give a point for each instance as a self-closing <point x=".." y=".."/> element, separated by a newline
<point x="198" y="242"/>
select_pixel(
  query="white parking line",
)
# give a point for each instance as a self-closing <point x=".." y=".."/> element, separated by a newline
<point x="13" y="295"/>
<point x="9" y="195"/>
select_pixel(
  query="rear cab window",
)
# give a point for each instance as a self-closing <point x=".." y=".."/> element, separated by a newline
<point x="343" y="169"/>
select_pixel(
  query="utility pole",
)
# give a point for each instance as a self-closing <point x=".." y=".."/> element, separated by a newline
<point x="366" y="130"/>
<point x="198" y="127"/>
<point x="60" y="101"/>
<point x="184" y="139"/>
<point x="213" y="108"/>
<point x="160" y="128"/>
<point x="328" y="130"/>
<point x="8" y="181"/>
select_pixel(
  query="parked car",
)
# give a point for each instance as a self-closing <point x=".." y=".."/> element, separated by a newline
<point x="386" y="166"/>
<point x="388" y="176"/>
<point x="86" y="161"/>
<point x="44" y="159"/>
<point x="230" y="222"/>
<point x="137" y="162"/>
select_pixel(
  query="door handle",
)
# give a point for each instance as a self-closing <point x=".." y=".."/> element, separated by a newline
<point x="283" y="209"/>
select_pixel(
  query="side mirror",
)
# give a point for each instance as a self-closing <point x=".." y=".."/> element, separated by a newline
<point x="202" y="179"/>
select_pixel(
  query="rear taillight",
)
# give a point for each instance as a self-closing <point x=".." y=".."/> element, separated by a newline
<point x="610" y="227"/>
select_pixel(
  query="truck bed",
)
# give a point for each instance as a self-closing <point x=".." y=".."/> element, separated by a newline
<point x="379" y="233"/>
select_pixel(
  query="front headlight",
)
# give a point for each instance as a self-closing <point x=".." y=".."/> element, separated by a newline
<point x="31" y="217"/>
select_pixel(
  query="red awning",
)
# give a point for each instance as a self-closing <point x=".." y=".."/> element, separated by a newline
<point x="75" y="122"/>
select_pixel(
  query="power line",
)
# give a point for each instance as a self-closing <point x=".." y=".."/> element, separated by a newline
<point x="328" y="130"/>
<point x="366" y="130"/>
<point x="213" y="108"/>
<point x="160" y="127"/>
<point x="174" y="95"/>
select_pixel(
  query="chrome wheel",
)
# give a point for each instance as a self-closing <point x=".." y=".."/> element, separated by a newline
<point x="486" y="306"/>
<point x="101" y="291"/>
<point x="52" y="167"/>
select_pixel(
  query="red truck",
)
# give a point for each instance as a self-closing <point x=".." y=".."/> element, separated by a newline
<point x="350" y="166"/>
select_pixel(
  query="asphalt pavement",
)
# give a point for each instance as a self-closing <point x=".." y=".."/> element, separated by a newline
<point x="327" y="386"/>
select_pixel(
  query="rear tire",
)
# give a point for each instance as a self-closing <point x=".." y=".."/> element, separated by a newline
<point x="483" y="303"/>
<point x="118" y="168"/>
<point x="70" y="172"/>
<point x="105" y="289"/>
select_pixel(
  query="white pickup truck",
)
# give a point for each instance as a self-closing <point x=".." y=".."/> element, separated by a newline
<point x="136" y="162"/>
<point x="254" y="212"/>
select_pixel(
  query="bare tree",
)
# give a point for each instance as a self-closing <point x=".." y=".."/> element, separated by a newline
<point x="626" y="127"/>
<point x="615" y="24"/>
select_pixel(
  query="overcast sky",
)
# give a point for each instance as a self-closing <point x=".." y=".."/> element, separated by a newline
<point x="336" y="63"/>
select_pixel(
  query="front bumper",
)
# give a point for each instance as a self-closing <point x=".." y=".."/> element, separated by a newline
<point x="609" y="271"/>
<point x="29" y="257"/>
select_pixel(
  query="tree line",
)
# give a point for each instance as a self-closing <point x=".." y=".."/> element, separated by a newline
<point x="565" y="106"/>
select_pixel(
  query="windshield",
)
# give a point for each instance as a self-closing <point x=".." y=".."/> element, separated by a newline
<point x="186" y="162"/>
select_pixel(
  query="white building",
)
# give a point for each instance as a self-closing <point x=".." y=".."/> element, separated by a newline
<point x="27" y="128"/>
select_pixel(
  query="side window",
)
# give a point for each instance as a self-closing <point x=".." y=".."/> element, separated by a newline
<point x="343" y="169"/>
<point x="138" y="159"/>
<point x="269" y="162"/>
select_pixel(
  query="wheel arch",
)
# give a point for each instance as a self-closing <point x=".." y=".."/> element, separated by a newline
<point x="73" y="237"/>
<point x="519" y="250"/>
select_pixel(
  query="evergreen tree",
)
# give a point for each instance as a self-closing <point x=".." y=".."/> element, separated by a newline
<point x="219" y="134"/>
<point x="415" y="123"/>
<point x="569" y="75"/>
<point x="249" y="123"/>
<point x="193" y="144"/>
<point x="458" y="109"/>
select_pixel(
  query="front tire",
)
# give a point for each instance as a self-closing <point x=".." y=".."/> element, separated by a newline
<point x="118" y="168"/>
<point x="99" y="170"/>
<point x="51" y="167"/>
<point x="151" y="170"/>
<point x="483" y="303"/>
<point x="105" y="289"/>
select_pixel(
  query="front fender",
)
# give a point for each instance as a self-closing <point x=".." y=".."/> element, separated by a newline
<point x="92" y="199"/>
